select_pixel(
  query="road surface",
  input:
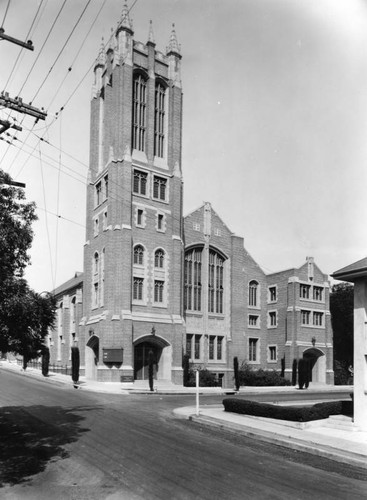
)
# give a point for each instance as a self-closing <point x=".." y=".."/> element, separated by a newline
<point x="62" y="443"/>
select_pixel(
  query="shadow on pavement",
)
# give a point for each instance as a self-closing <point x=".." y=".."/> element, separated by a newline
<point x="31" y="436"/>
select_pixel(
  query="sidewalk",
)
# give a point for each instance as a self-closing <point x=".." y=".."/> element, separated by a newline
<point x="335" y="438"/>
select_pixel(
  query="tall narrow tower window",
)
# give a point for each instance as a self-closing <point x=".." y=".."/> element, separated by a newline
<point x="140" y="182"/>
<point x="139" y="113"/>
<point x="192" y="278"/>
<point x="215" y="292"/>
<point x="159" y="120"/>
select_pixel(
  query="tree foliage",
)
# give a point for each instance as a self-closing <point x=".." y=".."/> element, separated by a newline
<point x="341" y="309"/>
<point x="25" y="315"/>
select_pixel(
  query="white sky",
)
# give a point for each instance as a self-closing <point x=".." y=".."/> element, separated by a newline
<point x="274" y="121"/>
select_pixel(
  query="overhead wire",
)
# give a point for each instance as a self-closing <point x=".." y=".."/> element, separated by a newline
<point x="77" y="54"/>
<point x="6" y="12"/>
<point x="62" y="49"/>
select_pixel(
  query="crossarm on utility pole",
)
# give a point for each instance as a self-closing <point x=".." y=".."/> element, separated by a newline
<point x="27" y="45"/>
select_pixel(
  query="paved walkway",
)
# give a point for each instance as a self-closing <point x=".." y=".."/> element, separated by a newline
<point x="336" y="438"/>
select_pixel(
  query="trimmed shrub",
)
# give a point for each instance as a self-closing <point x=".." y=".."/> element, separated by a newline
<point x="293" y="413"/>
<point x="75" y="363"/>
<point x="236" y="373"/>
<point x="186" y="369"/>
<point x="251" y="377"/>
<point x="206" y="378"/>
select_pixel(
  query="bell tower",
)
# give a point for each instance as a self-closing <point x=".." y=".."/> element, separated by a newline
<point x="134" y="229"/>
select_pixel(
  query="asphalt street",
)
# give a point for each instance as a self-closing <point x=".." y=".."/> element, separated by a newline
<point x="62" y="443"/>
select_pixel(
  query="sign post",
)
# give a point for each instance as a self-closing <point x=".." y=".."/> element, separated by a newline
<point x="197" y="393"/>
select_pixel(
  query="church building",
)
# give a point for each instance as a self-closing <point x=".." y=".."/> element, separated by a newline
<point x="155" y="280"/>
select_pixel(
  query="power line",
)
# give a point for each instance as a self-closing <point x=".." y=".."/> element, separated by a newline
<point x="6" y="12"/>
<point x="62" y="49"/>
<point x="77" y="54"/>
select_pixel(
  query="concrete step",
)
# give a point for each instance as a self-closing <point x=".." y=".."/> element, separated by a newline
<point x="341" y="422"/>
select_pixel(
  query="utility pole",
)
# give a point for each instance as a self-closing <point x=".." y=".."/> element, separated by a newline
<point x="26" y="45"/>
<point x="18" y="105"/>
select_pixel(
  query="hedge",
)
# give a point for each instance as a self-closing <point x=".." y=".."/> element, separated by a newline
<point x="294" y="413"/>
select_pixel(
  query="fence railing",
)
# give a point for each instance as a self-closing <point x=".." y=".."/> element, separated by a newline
<point x="63" y="369"/>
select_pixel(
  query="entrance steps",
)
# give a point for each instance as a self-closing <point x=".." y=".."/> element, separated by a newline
<point x="158" y="385"/>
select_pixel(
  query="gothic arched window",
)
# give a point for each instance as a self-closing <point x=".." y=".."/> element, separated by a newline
<point x="253" y="292"/>
<point x="159" y="258"/>
<point x="139" y="255"/>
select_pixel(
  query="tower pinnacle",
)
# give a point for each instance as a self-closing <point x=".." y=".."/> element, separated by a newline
<point x="125" y="22"/>
<point x="151" y="34"/>
<point x="173" y="46"/>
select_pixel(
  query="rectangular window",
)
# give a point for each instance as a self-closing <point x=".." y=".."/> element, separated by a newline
<point x="189" y="345"/>
<point x="197" y="350"/>
<point x="140" y="180"/>
<point x="272" y="293"/>
<point x="318" y="293"/>
<point x="253" y="320"/>
<point x="318" y="318"/>
<point x="98" y="193"/>
<point x="304" y="291"/>
<point x="252" y="349"/>
<point x="138" y="289"/>
<point x="106" y="187"/>
<point x="160" y="222"/>
<point x="305" y="317"/>
<point x="158" y="291"/>
<point x="272" y="319"/>
<point x="159" y="188"/>
<point x="219" y="348"/>
<point x="272" y="353"/>
<point x="211" y="346"/>
<point x="139" y="217"/>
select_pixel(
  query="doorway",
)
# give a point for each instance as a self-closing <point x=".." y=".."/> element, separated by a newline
<point x="317" y="361"/>
<point x="141" y="360"/>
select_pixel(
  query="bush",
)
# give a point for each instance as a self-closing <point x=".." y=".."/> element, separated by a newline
<point x="251" y="377"/>
<point x="206" y="378"/>
<point x="341" y="373"/>
<point x="186" y="369"/>
<point x="293" y="413"/>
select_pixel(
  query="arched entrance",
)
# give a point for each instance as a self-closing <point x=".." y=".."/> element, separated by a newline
<point x="92" y="357"/>
<point x="317" y="360"/>
<point x="162" y="355"/>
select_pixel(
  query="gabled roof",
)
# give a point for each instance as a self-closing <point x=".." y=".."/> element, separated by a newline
<point x="74" y="282"/>
<point x="352" y="272"/>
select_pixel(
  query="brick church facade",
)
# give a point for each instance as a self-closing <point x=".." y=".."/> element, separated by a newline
<point x="155" y="280"/>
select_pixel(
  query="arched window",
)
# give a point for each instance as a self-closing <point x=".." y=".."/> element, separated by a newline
<point x="96" y="263"/>
<point x="215" y="283"/>
<point x="159" y="112"/>
<point x="192" y="277"/>
<point x="139" y="255"/>
<point x="253" y="291"/>
<point x="139" y="112"/>
<point x="72" y="311"/>
<point x="159" y="258"/>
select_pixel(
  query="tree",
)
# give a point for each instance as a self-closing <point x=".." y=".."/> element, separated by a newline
<point x="342" y="311"/>
<point x="75" y="364"/>
<point x="25" y="315"/>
